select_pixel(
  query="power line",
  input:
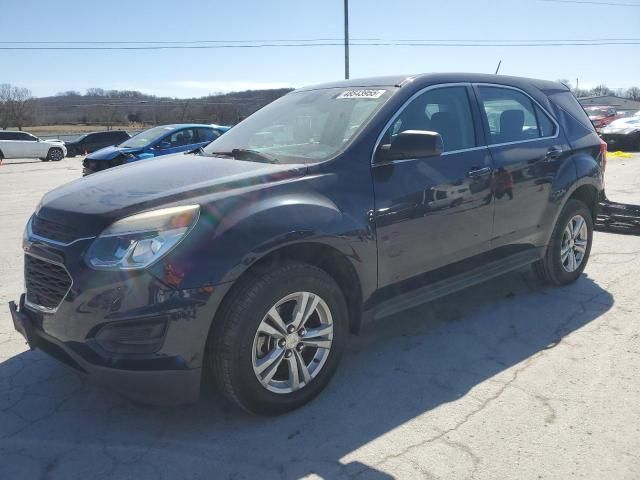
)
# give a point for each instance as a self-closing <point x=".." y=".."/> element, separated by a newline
<point x="162" y="43"/>
<point x="588" y="2"/>
<point x="187" y="42"/>
<point x="334" y="44"/>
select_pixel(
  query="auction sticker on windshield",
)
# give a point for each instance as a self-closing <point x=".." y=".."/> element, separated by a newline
<point x="361" y="94"/>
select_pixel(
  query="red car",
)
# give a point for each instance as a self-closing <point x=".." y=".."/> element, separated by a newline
<point x="601" y="116"/>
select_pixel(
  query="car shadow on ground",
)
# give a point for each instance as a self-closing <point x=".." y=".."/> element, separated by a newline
<point x="54" y="424"/>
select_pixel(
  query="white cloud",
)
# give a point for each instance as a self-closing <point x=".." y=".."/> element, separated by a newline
<point x="229" y="85"/>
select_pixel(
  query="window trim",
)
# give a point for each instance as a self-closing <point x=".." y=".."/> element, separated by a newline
<point x="404" y="106"/>
<point x="535" y="102"/>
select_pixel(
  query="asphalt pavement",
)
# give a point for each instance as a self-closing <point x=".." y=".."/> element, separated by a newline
<point x="506" y="380"/>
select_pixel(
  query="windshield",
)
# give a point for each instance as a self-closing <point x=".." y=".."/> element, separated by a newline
<point x="303" y="127"/>
<point x="146" y="138"/>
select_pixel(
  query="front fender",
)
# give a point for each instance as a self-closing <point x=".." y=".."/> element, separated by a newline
<point x="232" y="234"/>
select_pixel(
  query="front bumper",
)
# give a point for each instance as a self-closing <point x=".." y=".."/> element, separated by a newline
<point x="156" y="387"/>
<point x="165" y="369"/>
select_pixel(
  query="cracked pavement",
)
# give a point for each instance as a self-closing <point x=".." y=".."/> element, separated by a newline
<point x="508" y="379"/>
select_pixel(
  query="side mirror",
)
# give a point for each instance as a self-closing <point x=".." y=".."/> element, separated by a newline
<point x="163" y="145"/>
<point x="411" y="144"/>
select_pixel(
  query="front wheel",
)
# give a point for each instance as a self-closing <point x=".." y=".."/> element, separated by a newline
<point x="568" y="250"/>
<point x="278" y="338"/>
<point x="55" y="155"/>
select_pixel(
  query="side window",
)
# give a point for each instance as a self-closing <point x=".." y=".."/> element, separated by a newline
<point x="25" y="137"/>
<point x="207" y="135"/>
<point x="182" y="137"/>
<point x="512" y="116"/>
<point x="444" y="110"/>
<point x="547" y="128"/>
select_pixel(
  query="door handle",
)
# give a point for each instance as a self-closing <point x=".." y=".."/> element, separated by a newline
<point x="553" y="153"/>
<point x="476" y="172"/>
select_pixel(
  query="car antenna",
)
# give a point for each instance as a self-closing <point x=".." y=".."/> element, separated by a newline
<point x="498" y="67"/>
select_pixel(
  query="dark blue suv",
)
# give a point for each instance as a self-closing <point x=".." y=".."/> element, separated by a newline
<point x="248" y="262"/>
<point x="155" y="142"/>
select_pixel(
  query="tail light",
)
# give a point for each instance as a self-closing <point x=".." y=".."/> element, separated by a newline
<point x="603" y="153"/>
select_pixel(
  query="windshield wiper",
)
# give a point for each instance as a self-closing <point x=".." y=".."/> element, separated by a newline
<point x="197" y="151"/>
<point x="247" y="154"/>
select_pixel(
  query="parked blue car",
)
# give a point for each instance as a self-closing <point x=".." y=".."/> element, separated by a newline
<point x="155" y="142"/>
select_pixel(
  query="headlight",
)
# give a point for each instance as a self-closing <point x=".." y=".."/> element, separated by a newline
<point x="138" y="241"/>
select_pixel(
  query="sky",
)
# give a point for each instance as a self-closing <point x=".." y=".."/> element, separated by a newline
<point x="194" y="73"/>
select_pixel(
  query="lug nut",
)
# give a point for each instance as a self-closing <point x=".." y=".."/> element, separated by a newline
<point x="291" y="329"/>
<point x="288" y="354"/>
<point x="299" y="347"/>
<point x="281" y="343"/>
<point x="302" y="332"/>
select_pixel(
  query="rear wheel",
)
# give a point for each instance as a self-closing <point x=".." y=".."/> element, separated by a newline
<point x="568" y="251"/>
<point x="55" y="155"/>
<point x="278" y="338"/>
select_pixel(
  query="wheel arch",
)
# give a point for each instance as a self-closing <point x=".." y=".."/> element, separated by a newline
<point x="587" y="194"/>
<point x="326" y="257"/>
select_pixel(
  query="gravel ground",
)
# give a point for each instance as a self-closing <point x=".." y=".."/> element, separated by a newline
<point x="508" y="379"/>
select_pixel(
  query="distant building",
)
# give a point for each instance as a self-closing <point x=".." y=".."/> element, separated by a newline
<point x="621" y="104"/>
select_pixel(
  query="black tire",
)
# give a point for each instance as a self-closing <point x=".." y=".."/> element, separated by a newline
<point x="55" y="155"/>
<point x="550" y="268"/>
<point x="231" y="340"/>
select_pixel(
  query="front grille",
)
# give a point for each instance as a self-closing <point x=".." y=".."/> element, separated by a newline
<point x="99" y="165"/>
<point x="47" y="283"/>
<point x="53" y="231"/>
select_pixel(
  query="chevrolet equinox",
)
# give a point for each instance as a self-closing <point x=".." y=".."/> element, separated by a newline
<point x="247" y="262"/>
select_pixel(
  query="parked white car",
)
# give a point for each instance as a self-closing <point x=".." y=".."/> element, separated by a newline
<point x="25" y="145"/>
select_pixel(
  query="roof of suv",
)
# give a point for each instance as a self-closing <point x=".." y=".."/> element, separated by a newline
<point x="433" y="78"/>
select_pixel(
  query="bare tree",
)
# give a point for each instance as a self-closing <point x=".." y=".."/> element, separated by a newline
<point x="5" y="105"/>
<point x="633" y="93"/>
<point x="600" y="91"/>
<point x="21" y="105"/>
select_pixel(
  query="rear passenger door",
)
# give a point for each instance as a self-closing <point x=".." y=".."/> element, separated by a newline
<point x="527" y="148"/>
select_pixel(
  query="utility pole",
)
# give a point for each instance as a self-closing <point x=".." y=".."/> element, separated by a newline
<point x="346" y="39"/>
<point x="498" y="67"/>
<point x="577" y="84"/>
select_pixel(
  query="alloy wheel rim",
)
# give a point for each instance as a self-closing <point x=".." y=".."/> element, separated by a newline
<point x="292" y="342"/>
<point x="56" y="155"/>
<point x="574" y="244"/>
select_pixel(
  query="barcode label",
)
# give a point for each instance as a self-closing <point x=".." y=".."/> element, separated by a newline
<point x="361" y="94"/>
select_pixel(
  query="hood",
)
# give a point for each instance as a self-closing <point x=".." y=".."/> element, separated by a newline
<point x="99" y="199"/>
<point x="109" y="153"/>
<point x="54" y="140"/>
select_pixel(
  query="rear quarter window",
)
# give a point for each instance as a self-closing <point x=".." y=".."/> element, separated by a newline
<point x="570" y="105"/>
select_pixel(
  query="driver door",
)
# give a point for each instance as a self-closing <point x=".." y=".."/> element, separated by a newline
<point x="437" y="211"/>
<point x="180" y="141"/>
